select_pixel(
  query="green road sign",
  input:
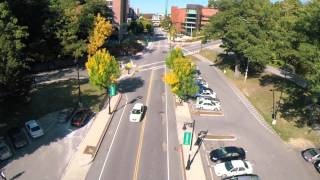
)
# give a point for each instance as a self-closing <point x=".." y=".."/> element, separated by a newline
<point x="112" y="90"/>
<point x="187" y="138"/>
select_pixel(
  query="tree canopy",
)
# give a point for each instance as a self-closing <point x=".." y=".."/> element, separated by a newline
<point x="12" y="63"/>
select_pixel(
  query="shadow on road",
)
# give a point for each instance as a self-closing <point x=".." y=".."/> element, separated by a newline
<point x="17" y="176"/>
<point x="130" y="84"/>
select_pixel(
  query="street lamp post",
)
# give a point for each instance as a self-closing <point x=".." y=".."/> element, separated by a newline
<point x="274" y="118"/>
<point x="189" y="161"/>
<point x="246" y="74"/>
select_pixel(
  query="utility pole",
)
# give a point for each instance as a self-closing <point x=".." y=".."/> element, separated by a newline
<point x="166" y="12"/>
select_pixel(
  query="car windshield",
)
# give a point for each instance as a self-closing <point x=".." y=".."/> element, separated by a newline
<point x="228" y="165"/>
<point x="36" y="128"/>
<point x="135" y="111"/>
<point x="222" y="152"/>
<point x="245" y="164"/>
<point x="313" y="152"/>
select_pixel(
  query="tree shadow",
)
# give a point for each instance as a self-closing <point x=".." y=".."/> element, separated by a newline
<point x="130" y="84"/>
<point x="293" y="102"/>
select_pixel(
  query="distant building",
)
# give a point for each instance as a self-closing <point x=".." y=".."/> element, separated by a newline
<point x="132" y="15"/>
<point x="190" y="19"/>
<point x="156" y="18"/>
<point x="120" y="9"/>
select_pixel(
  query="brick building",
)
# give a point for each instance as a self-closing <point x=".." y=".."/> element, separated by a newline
<point x="190" y="19"/>
<point x="120" y="9"/>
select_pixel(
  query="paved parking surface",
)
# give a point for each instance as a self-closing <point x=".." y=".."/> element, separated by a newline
<point x="46" y="157"/>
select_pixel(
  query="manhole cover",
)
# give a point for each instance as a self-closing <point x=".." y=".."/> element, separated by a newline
<point x="90" y="150"/>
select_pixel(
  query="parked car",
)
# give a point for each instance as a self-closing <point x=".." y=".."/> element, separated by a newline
<point x="200" y="99"/>
<point x="17" y="137"/>
<point x="5" y="151"/>
<point x="209" y="105"/>
<point x="34" y="128"/>
<point x="311" y="155"/>
<point x="81" y="117"/>
<point x="243" y="177"/>
<point x="207" y="92"/>
<point x="317" y="165"/>
<point x="137" y="112"/>
<point x="202" y="83"/>
<point x="228" y="153"/>
<point x="233" y="168"/>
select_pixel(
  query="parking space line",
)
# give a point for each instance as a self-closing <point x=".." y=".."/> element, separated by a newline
<point x="211" y="175"/>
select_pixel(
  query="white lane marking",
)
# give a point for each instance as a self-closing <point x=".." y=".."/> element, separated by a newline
<point x="116" y="132"/>
<point x="208" y="163"/>
<point x="151" y="64"/>
<point x="168" y="164"/>
<point x="153" y="68"/>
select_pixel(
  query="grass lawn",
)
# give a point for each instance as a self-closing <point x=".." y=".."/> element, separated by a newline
<point x="292" y="116"/>
<point x="50" y="98"/>
<point x="209" y="54"/>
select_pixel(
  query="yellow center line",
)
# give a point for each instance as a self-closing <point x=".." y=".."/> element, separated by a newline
<point x="137" y="164"/>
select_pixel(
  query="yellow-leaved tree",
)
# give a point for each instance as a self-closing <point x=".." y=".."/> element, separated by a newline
<point x="103" y="70"/>
<point x="181" y="77"/>
<point x="102" y="30"/>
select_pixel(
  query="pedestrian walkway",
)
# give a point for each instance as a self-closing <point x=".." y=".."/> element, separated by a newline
<point x="80" y="163"/>
<point x="196" y="169"/>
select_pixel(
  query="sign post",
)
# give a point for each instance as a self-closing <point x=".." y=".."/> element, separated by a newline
<point x="111" y="92"/>
<point x="187" y="138"/>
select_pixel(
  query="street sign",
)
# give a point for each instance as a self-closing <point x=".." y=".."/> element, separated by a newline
<point x="187" y="138"/>
<point x="112" y="90"/>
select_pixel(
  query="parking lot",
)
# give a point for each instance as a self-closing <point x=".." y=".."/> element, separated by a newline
<point x="270" y="156"/>
<point x="47" y="156"/>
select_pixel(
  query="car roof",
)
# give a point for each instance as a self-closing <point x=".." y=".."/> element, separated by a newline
<point x="32" y="123"/>
<point x="238" y="163"/>
<point x="137" y="106"/>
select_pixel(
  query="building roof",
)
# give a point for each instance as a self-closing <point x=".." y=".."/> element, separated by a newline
<point x="147" y="16"/>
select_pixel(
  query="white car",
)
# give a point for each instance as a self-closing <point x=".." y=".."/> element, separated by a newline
<point x="34" y="128"/>
<point x="233" y="168"/>
<point x="209" y="105"/>
<point x="5" y="151"/>
<point x="205" y="98"/>
<point x="136" y="113"/>
<point x="207" y="92"/>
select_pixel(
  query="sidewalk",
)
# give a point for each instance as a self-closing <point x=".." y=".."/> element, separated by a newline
<point x="196" y="171"/>
<point x="80" y="163"/>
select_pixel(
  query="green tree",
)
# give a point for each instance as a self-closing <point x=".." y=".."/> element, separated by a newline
<point x="181" y="78"/>
<point x="244" y="28"/>
<point x="173" y="54"/>
<point x="12" y="64"/>
<point x="103" y="70"/>
<point x="166" y="23"/>
<point x="308" y="62"/>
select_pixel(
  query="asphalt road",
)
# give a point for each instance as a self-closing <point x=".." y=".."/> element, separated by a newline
<point x="145" y="150"/>
<point x="271" y="157"/>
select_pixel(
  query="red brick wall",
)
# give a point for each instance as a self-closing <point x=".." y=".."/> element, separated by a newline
<point x="177" y="17"/>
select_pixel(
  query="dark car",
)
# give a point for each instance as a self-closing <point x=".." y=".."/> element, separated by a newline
<point x="317" y="166"/>
<point x="81" y="117"/>
<point x="227" y="154"/>
<point x="17" y="137"/>
<point x="243" y="177"/>
<point x="311" y="155"/>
